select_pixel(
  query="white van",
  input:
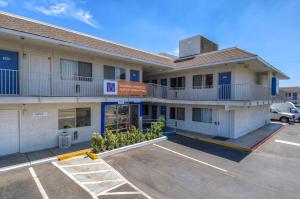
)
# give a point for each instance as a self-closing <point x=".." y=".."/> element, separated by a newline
<point x="287" y="107"/>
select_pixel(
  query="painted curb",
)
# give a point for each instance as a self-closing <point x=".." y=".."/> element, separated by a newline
<point x="73" y="154"/>
<point x="236" y="147"/>
<point x="130" y="147"/>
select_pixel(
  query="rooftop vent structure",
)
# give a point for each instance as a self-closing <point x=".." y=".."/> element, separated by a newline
<point x="195" y="45"/>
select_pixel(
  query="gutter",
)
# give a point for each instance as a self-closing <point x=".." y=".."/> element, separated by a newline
<point x="69" y="44"/>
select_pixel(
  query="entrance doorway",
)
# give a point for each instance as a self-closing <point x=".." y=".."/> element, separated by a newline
<point x="119" y="117"/>
<point x="225" y="85"/>
<point x="134" y="115"/>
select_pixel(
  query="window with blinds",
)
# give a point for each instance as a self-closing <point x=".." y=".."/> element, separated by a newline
<point x="202" y="115"/>
<point x="177" y="82"/>
<point x="202" y="81"/>
<point x="75" y="70"/>
<point x="114" y="73"/>
<point x="177" y="113"/>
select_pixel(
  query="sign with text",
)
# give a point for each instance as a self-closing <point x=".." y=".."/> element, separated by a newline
<point x="132" y="88"/>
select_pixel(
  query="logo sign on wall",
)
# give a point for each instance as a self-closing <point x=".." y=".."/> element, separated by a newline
<point x="110" y="87"/>
<point x="124" y="88"/>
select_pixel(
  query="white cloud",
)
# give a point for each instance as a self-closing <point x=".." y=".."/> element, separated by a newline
<point x="3" y="3"/>
<point x="63" y="8"/>
<point x="175" y="51"/>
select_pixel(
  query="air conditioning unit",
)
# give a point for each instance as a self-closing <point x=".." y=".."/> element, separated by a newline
<point x="64" y="141"/>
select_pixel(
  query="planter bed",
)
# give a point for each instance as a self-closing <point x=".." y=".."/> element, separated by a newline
<point x="130" y="147"/>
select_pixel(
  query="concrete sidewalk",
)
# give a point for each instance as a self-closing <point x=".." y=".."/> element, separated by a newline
<point x="247" y="142"/>
<point x="25" y="159"/>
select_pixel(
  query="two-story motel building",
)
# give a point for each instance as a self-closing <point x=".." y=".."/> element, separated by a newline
<point x="54" y="80"/>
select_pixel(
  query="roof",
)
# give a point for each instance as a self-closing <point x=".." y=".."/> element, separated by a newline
<point x="21" y="24"/>
<point x="36" y="28"/>
<point x="224" y="55"/>
<point x="291" y="89"/>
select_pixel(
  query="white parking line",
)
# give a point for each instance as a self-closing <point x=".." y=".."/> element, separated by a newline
<point x="120" y="193"/>
<point x="199" y="161"/>
<point x="286" y="142"/>
<point x="90" y="172"/>
<point x="79" y="165"/>
<point x="103" y="181"/>
<point x="135" y="187"/>
<point x="76" y="181"/>
<point x="38" y="183"/>
<point x="91" y="184"/>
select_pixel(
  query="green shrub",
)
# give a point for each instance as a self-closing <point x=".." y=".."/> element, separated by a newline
<point x="110" y="140"/>
<point x="97" y="143"/>
<point x="155" y="131"/>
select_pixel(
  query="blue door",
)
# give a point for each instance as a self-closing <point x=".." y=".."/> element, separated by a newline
<point x="294" y="96"/>
<point x="154" y="112"/>
<point x="9" y="74"/>
<point x="225" y="85"/>
<point x="134" y="75"/>
<point x="164" y="82"/>
<point x="163" y="112"/>
<point x="274" y="86"/>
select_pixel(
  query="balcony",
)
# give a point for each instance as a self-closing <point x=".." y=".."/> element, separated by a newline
<point x="231" y="92"/>
<point x="14" y="83"/>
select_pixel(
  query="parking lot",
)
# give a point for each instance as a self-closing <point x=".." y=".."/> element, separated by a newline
<point x="177" y="168"/>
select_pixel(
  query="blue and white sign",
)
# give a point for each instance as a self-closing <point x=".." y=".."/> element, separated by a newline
<point x="110" y="87"/>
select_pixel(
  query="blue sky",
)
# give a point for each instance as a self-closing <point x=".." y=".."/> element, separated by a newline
<point x="268" y="28"/>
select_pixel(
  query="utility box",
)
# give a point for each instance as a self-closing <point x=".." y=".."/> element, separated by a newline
<point x="64" y="141"/>
<point x="196" y="45"/>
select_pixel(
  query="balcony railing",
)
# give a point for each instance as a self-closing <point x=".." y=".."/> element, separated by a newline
<point x="230" y="92"/>
<point x="14" y="83"/>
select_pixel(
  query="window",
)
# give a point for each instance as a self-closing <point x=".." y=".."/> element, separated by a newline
<point x="202" y="81"/>
<point x="134" y="75"/>
<point x="76" y="117"/>
<point x="84" y="71"/>
<point x="114" y="73"/>
<point x="154" y="81"/>
<point x="177" y="82"/>
<point x="172" y="113"/>
<point x="177" y="113"/>
<point x="180" y="114"/>
<point x="75" y="70"/>
<point x="83" y="117"/>
<point x="146" y="110"/>
<point x="109" y="72"/>
<point x="202" y="115"/>
<point x="120" y="73"/>
<point x="66" y="118"/>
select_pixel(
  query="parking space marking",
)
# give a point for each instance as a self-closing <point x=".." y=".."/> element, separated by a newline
<point x="90" y="172"/>
<point x="38" y="183"/>
<point x="196" y="160"/>
<point x="286" y="142"/>
<point x="79" y="165"/>
<point x="103" y="180"/>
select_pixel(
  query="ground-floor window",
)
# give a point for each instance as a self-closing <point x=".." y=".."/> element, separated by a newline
<point x="74" y="117"/>
<point x="121" y="117"/>
<point x="202" y="115"/>
<point x="177" y="113"/>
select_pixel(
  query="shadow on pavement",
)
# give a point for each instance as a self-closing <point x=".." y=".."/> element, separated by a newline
<point x="27" y="158"/>
<point x="221" y="151"/>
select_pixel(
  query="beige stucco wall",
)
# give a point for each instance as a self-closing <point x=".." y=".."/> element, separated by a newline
<point x="42" y="132"/>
